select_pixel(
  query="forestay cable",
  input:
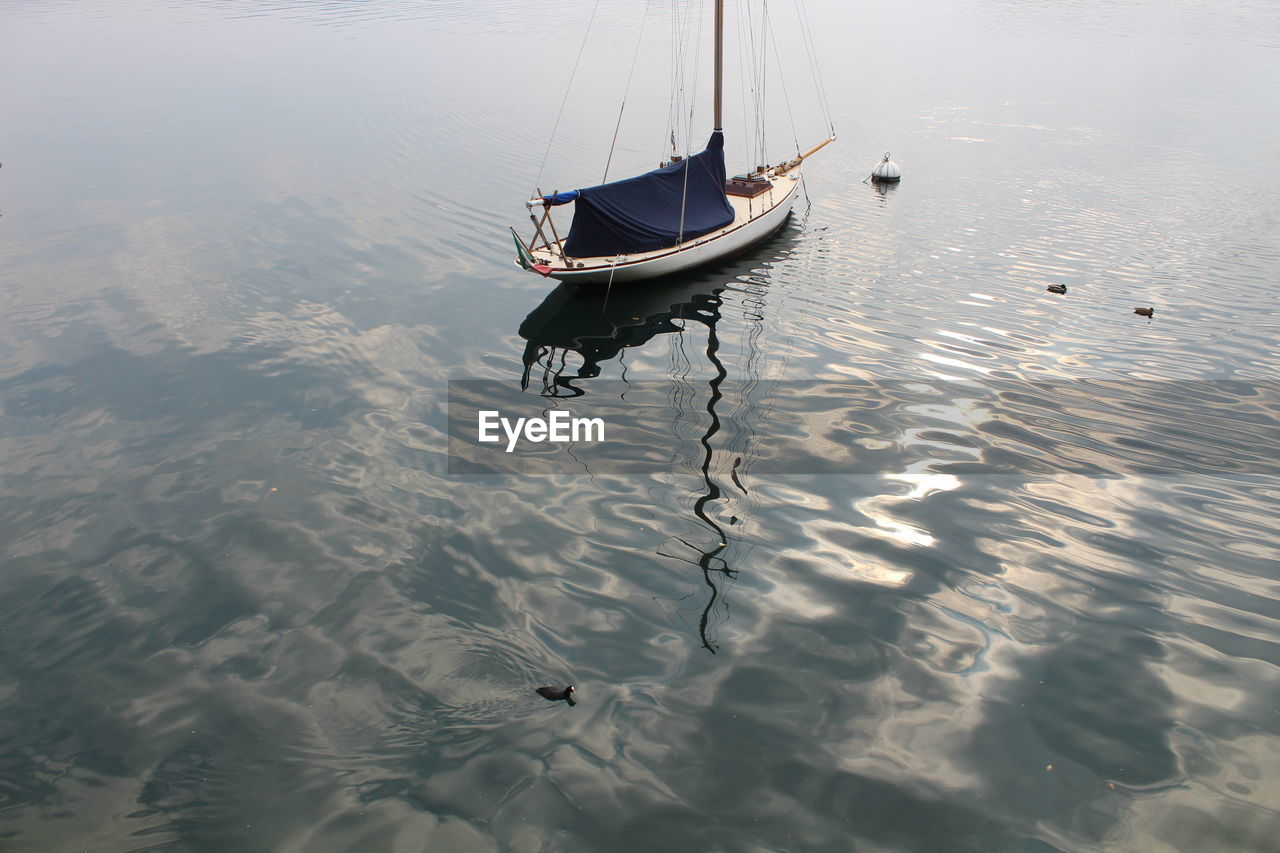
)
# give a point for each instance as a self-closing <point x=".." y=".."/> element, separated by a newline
<point x="565" y="99"/>
<point x="806" y="34"/>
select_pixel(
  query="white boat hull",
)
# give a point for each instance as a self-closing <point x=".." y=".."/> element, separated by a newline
<point x="754" y="220"/>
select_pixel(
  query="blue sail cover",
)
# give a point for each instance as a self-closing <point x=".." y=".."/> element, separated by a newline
<point x="644" y="213"/>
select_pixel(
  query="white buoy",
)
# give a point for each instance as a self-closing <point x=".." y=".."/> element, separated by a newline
<point x="886" y="171"/>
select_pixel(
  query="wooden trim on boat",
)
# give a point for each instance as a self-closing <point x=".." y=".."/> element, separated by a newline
<point x="791" y="164"/>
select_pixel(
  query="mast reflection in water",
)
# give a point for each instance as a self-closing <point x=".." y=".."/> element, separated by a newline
<point x="599" y="325"/>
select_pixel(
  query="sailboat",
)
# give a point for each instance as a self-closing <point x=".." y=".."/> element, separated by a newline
<point x="683" y="215"/>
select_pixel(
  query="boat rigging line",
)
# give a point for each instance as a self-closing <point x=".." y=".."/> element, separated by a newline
<point x="806" y="35"/>
<point x="786" y="97"/>
<point x="749" y="79"/>
<point x="567" y="90"/>
<point x="761" y="67"/>
<point x="639" y="40"/>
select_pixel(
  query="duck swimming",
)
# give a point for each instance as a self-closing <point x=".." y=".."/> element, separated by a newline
<point x="1144" y="312"/>
<point x="556" y="694"/>
<point x="1057" y="288"/>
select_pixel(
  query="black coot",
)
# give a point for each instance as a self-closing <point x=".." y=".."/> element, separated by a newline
<point x="557" y="694"/>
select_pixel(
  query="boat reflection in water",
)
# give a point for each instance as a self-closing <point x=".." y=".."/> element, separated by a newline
<point x="596" y="326"/>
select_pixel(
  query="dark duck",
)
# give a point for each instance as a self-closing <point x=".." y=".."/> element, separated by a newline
<point x="557" y="694"/>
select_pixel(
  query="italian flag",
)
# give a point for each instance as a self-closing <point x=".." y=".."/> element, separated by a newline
<point x="525" y="259"/>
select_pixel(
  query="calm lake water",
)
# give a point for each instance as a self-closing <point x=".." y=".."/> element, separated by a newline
<point x="249" y="602"/>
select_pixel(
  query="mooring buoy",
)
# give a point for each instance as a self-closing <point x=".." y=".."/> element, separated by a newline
<point x="886" y="171"/>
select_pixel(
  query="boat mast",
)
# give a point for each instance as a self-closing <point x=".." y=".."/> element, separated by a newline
<point x="719" y="61"/>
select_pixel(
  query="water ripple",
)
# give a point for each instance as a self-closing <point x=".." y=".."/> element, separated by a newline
<point x="1042" y="616"/>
